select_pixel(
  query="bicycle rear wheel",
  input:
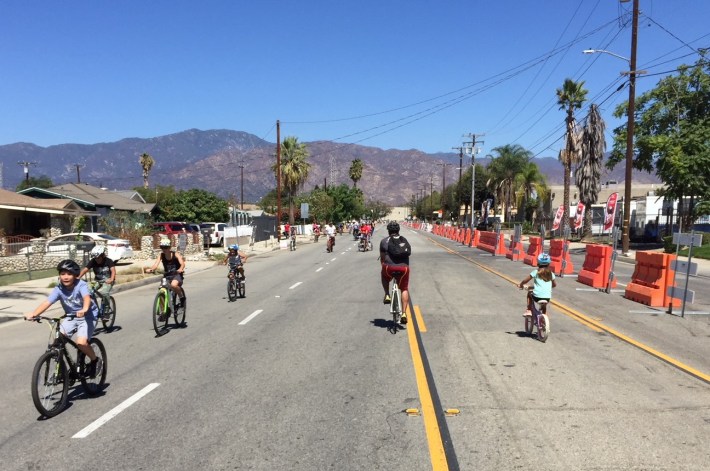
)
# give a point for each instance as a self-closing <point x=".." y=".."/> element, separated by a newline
<point x="529" y="324"/>
<point x="109" y="315"/>
<point x="50" y="384"/>
<point x="179" y="312"/>
<point x="161" y="312"/>
<point x="232" y="289"/>
<point x="396" y="306"/>
<point x="93" y="386"/>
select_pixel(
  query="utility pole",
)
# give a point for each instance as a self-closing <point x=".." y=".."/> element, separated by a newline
<point x="431" y="198"/>
<point x="472" y="149"/>
<point x="241" y="197"/>
<point x="26" y="167"/>
<point x="458" y="186"/>
<point x="630" y="131"/>
<point x="278" y="176"/>
<point x="443" y="187"/>
<point x="78" y="175"/>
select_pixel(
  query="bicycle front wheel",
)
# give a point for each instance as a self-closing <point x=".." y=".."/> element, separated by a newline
<point x="179" y="312"/>
<point x="161" y="312"/>
<point x="232" y="289"/>
<point x="543" y="328"/>
<point x="50" y="384"/>
<point x="93" y="385"/>
<point x="242" y="290"/>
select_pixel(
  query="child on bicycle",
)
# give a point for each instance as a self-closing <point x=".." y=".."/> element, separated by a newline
<point x="173" y="267"/>
<point x="544" y="281"/>
<point x="73" y="293"/>
<point x="104" y="272"/>
<point x="235" y="259"/>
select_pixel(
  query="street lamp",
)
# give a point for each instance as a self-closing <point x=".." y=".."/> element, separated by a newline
<point x="630" y="123"/>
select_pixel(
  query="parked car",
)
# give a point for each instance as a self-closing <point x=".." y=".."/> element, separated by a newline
<point x="213" y="232"/>
<point x="194" y="228"/>
<point x="169" y="227"/>
<point x="80" y="242"/>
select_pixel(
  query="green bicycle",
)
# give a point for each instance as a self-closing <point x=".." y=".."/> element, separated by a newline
<point x="165" y="305"/>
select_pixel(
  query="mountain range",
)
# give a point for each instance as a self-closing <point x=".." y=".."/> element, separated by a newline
<point x="217" y="160"/>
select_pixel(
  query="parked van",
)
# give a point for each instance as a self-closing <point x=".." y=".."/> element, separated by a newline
<point x="213" y="232"/>
<point x="169" y="227"/>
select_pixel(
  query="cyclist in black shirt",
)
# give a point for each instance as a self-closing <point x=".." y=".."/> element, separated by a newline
<point x="173" y="266"/>
<point x="104" y="271"/>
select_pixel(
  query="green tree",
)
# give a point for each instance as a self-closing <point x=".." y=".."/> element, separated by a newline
<point x="463" y="189"/>
<point x="294" y="169"/>
<point x="146" y="162"/>
<point x="672" y="135"/>
<point x="589" y="171"/>
<point x="509" y="160"/>
<point x="527" y="183"/>
<point x="39" y="182"/>
<point x="195" y="205"/>
<point x="570" y="97"/>
<point x="377" y="209"/>
<point x="356" y="171"/>
<point x="347" y="203"/>
<point x="321" y="205"/>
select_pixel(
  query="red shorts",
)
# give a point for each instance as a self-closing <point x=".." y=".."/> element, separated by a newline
<point x="388" y="271"/>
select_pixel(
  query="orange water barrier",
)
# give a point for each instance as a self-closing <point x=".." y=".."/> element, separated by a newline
<point x="492" y="242"/>
<point x="534" y="249"/>
<point x="597" y="267"/>
<point x="652" y="277"/>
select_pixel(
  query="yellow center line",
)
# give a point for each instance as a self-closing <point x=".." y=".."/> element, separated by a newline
<point x="594" y="324"/>
<point x="431" y="425"/>
<point x="420" y="319"/>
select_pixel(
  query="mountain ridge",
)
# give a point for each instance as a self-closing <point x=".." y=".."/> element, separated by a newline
<point x="212" y="160"/>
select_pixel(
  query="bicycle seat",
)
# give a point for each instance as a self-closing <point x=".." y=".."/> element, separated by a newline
<point x="542" y="302"/>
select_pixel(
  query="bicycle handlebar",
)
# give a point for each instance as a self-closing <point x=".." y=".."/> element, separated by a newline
<point x="38" y="319"/>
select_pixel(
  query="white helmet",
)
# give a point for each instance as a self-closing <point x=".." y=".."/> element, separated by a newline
<point x="97" y="251"/>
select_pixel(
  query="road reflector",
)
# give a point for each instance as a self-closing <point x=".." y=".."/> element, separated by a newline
<point x="451" y="412"/>
<point x="412" y="412"/>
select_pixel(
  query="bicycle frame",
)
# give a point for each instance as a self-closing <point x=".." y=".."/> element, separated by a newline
<point x="168" y="294"/>
<point x="58" y="342"/>
<point x="538" y="319"/>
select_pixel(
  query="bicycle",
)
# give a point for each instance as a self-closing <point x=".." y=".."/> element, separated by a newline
<point x="55" y="371"/>
<point x="107" y="311"/>
<point x="235" y="286"/>
<point x="538" y="319"/>
<point x="331" y="243"/>
<point x="292" y="242"/>
<point x="165" y="304"/>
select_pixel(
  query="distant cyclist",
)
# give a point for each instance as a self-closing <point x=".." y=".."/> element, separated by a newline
<point x="173" y="266"/>
<point x="330" y="232"/>
<point x="544" y="281"/>
<point x="394" y="256"/>
<point x="104" y="272"/>
<point x="235" y="259"/>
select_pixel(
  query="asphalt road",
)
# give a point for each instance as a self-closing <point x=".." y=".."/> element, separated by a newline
<point x="304" y="374"/>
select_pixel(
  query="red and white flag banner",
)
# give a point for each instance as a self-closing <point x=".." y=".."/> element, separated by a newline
<point x="610" y="211"/>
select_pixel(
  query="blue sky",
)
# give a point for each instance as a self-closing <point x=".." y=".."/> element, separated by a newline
<point x="385" y="73"/>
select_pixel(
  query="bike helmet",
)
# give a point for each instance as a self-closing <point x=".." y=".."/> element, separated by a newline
<point x="543" y="260"/>
<point x="393" y="228"/>
<point x="69" y="265"/>
<point x="97" y="251"/>
<point x="164" y="242"/>
<point x="233" y="247"/>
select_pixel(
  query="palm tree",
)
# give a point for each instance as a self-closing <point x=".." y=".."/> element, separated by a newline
<point x="356" y="171"/>
<point x="570" y="97"/>
<point x="147" y="163"/>
<point x="294" y="169"/>
<point x="589" y="171"/>
<point x="527" y="183"/>
<point x="510" y="160"/>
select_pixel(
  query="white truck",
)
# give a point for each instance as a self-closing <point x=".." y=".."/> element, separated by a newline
<point x="213" y="232"/>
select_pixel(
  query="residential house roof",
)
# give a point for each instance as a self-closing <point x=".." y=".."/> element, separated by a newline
<point x="17" y="202"/>
<point x="88" y="195"/>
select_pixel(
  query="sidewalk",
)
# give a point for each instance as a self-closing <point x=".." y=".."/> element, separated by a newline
<point x="19" y="298"/>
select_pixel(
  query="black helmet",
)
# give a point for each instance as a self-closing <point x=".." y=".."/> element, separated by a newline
<point x="393" y="227"/>
<point x="69" y="265"/>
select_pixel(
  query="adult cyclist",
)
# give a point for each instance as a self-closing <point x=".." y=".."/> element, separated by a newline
<point x="104" y="272"/>
<point x="394" y="257"/>
<point x="173" y="266"/>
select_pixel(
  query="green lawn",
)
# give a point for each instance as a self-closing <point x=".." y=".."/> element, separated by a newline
<point x="698" y="252"/>
<point x="11" y="278"/>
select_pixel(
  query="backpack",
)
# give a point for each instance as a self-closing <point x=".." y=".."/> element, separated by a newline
<point x="398" y="249"/>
